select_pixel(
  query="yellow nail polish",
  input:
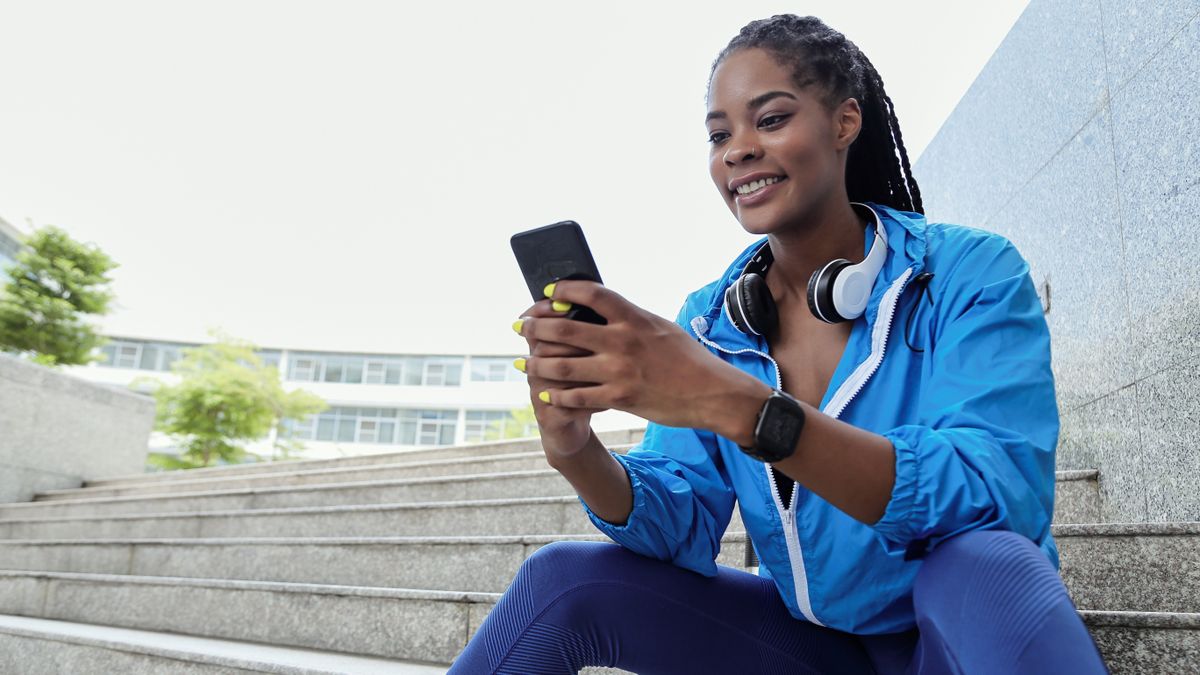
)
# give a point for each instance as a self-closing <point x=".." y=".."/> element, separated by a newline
<point x="544" y="396"/>
<point x="519" y="364"/>
<point x="548" y="291"/>
<point x="560" y="305"/>
<point x="517" y="325"/>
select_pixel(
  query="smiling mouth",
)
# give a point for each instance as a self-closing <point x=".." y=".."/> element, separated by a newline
<point x="754" y="186"/>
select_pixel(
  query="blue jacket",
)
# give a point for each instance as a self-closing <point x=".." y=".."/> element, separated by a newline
<point x="973" y="420"/>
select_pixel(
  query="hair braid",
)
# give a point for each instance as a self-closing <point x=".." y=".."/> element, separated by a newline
<point x="877" y="167"/>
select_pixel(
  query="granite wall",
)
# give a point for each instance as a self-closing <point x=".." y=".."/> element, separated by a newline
<point x="1080" y="142"/>
<point x="57" y="430"/>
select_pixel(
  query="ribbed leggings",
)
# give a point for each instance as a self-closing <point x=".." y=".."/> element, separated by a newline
<point x="985" y="602"/>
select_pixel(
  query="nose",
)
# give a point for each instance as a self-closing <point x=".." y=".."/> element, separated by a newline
<point x="740" y="153"/>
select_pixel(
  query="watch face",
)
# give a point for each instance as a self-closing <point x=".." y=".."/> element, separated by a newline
<point x="780" y="426"/>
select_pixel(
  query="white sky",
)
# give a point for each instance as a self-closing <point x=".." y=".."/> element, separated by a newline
<point x="346" y="175"/>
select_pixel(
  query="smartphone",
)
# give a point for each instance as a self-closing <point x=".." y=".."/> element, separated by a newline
<point x="552" y="253"/>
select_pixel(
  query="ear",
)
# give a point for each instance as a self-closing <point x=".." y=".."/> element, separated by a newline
<point x="847" y="120"/>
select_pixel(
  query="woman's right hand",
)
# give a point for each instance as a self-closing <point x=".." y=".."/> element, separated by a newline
<point x="565" y="432"/>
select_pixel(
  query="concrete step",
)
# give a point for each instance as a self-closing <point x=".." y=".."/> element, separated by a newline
<point x="518" y="461"/>
<point x="1153" y="567"/>
<point x="431" y="626"/>
<point x="622" y="437"/>
<point x="1142" y="567"/>
<point x="1146" y="642"/>
<point x="485" y="564"/>
<point x="1077" y="495"/>
<point x="414" y="625"/>
<point x="537" y="515"/>
<point x="34" y="646"/>
<point x="511" y="485"/>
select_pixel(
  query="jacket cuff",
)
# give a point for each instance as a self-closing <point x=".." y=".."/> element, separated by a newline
<point x="639" y="505"/>
<point x="897" y="524"/>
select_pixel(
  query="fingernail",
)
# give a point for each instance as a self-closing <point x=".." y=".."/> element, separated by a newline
<point x="517" y="325"/>
<point x="544" y="396"/>
<point x="548" y="291"/>
<point x="520" y="364"/>
<point x="560" y="305"/>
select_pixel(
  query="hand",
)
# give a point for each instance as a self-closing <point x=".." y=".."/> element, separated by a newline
<point x="564" y="431"/>
<point x="639" y="362"/>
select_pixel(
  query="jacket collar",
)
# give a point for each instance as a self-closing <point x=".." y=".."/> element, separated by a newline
<point x="906" y="250"/>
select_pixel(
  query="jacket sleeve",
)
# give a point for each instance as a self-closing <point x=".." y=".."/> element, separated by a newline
<point x="981" y="453"/>
<point x="682" y="496"/>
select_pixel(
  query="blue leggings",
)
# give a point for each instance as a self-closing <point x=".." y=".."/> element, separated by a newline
<point x="985" y="602"/>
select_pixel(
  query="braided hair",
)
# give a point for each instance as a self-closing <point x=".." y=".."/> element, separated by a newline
<point x="877" y="167"/>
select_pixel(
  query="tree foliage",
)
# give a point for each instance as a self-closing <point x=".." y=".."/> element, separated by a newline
<point x="225" y="397"/>
<point x="52" y="285"/>
<point x="521" y="417"/>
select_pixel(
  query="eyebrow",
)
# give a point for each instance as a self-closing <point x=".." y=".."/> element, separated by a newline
<point x="751" y="104"/>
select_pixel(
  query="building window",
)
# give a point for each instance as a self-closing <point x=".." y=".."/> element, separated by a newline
<point x="494" y="369"/>
<point x="127" y="356"/>
<point x="375" y="372"/>
<point x="304" y="370"/>
<point x="348" y="425"/>
<point x="486" y="425"/>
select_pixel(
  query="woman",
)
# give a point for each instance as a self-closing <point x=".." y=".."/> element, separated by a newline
<point x="900" y="504"/>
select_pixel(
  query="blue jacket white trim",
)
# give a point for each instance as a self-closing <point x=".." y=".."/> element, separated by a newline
<point x="973" y="420"/>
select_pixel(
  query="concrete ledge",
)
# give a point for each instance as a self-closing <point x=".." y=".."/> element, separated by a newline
<point x="58" y="430"/>
<point x="34" y="646"/>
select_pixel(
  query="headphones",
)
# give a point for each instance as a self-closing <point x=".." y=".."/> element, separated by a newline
<point x="839" y="291"/>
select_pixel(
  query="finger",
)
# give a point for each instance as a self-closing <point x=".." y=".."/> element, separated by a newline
<point x="605" y="301"/>
<point x="589" y="336"/>
<point x="605" y="396"/>
<point x="592" y="369"/>
<point x="543" y="408"/>
<point x="543" y="348"/>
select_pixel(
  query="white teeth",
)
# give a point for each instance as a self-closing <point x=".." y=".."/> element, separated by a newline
<point x="755" y="186"/>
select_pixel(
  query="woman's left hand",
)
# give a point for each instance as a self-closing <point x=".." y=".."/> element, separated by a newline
<point x="640" y="362"/>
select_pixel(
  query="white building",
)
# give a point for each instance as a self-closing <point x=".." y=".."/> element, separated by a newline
<point x="10" y="243"/>
<point x="378" y="402"/>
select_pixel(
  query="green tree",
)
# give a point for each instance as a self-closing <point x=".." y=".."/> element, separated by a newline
<point x="515" y="427"/>
<point x="52" y="285"/>
<point x="225" y="397"/>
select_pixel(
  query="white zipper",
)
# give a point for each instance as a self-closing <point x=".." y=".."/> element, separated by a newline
<point x="834" y="408"/>
<point x="787" y="515"/>
<point x="866" y="369"/>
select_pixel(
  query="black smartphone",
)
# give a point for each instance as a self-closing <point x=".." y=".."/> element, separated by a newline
<point x="554" y="252"/>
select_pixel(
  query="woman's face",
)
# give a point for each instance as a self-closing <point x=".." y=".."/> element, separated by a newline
<point x="774" y="140"/>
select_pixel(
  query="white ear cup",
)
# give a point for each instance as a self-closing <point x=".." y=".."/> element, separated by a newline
<point x="851" y="291"/>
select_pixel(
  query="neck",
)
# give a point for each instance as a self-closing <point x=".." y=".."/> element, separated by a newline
<point x="830" y="231"/>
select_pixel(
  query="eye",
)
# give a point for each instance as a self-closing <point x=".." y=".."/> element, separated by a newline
<point x="716" y="137"/>
<point x="772" y="120"/>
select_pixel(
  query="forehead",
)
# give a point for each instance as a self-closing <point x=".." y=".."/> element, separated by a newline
<point x="745" y="74"/>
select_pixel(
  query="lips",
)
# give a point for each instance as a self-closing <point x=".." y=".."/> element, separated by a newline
<point x="750" y="178"/>
<point x="760" y="195"/>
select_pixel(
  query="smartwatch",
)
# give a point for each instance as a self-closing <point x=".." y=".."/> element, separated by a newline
<point x="778" y="428"/>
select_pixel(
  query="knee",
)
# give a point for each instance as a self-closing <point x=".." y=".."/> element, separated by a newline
<point x="993" y="566"/>
<point x="561" y="565"/>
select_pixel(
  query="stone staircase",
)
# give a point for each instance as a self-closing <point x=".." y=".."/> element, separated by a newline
<point x="388" y="563"/>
